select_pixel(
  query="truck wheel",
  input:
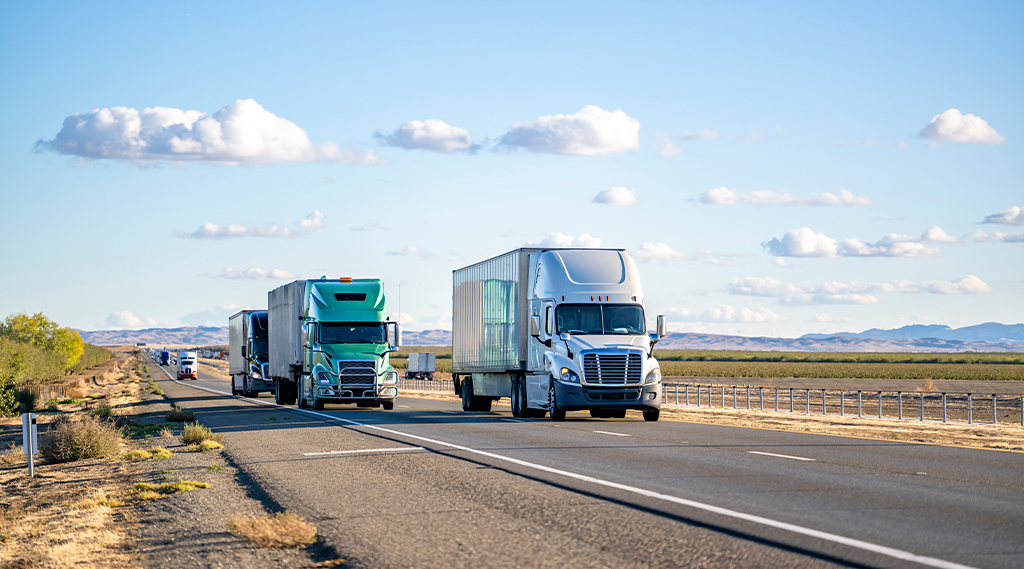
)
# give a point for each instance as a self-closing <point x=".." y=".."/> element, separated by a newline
<point x="652" y="415"/>
<point x="290" y="392"/>
<point x="556" y="413"/>
<point x="278" y="396"/>
<point x="387" y="405"/>
<point x="516" y="398"/>
<point x="467" y="393"/>
<point x="318" y="405"/>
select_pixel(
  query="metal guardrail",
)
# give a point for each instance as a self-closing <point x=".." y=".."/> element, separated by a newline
<point x="970" y="408"/>
<point x="946" y="407"/>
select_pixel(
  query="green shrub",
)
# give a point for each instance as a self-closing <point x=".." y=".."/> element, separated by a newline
<point x="68" y="439"/>
<point x="8" y="403"/>
<point x="195" y="433"/>
<point x="103" y="410"/>
<point x="26" y="400"/>
<point x="177" y="414"/>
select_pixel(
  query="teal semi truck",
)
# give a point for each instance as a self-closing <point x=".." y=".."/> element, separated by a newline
<point x="330" y="342"/>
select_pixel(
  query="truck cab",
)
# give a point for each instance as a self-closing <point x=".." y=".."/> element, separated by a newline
<point x="188" y="365"/>
<point x="330" y="342"/>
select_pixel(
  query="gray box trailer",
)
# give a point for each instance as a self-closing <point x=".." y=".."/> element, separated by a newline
<point x="421" y="365"/>
<point x="285" y="323"/>
<point x="247" y="353"/>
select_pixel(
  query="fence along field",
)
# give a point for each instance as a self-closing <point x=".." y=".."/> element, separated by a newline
<point x="826" y="365"/>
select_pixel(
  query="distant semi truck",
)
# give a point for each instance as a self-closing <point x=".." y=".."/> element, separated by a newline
<point x="555" y="330"/>
<point x="249" y="353"/>
<point x="188" y="365"/>
<point x="330" y="343"/>
<point x="421" y="365"/>
<point x="165" y="358"/>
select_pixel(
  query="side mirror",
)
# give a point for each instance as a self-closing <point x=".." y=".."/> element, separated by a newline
<point x="305" y="335"/>
<point x="395" y="336"/>
<point x="244" y="354"/>
<point x="661" y="326"/>
<point x="565" y="336"/>
<point x="535" y="326"/>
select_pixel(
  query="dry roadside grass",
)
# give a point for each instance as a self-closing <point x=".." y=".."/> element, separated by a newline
<point x="216" y="368"/>
<point x="274" y="530"/>
<point x="1002" y="437"/>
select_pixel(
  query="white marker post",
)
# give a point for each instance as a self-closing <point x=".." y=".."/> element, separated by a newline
<point x="29" y="440"/>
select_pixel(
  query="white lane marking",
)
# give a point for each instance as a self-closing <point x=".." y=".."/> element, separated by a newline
<point x="513" y="420"/>
<point x="780" y="455"/>
<point x="616" y="434"/>
<point x="402" y="406"/>
<point x="451" y="412"/>
<point x="793" y="528"/>
<point x="401" y="449"/>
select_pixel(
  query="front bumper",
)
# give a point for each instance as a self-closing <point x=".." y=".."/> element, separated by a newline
<point x="350" y="393"/>
<point x="576" y="397"/>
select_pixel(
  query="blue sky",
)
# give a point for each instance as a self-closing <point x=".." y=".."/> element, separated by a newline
<point x="803" y="167"/>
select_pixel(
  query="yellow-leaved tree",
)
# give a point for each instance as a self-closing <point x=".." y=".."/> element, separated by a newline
<point x="43" y="333"/>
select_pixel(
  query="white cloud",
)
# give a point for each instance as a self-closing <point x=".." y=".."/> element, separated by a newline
<point x="726" y="313"/>
<point x="618" y="196"/>
<point x="668" y="146"/>
<point x="432" y="134"/>
<point x="658" y="252"/>
<point x="125" y="319"/>
<point x="305" y="225"/>
<point x="997" y="237"/>
<point x="780" y="262"/>
<point x="849" y="293"/>
<point x="430" y="322"/>
<point x="216" y="316"/>
<point x="592" y="131"/>
<point x="726" y="196"/>
<point x="951" y="126"/>
<point x="240" y="133"/>
<point x="822" y="317"/>
<point x="411" y="251"/>
<point x="255" y="274"/>
<point x="563" y="241"/>
<point x="1012" y="216"/>
<point x="805" y="242"/>
<point x="668" y="140"/>
<point x="374" y="227"/>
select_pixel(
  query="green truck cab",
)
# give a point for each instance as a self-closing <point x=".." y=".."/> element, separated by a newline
<point x="330" y="342"/>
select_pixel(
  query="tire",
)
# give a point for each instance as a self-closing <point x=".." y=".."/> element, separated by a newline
<point x="247" y="388"/>
<point x="557" y="414"/>
<point x="318" y="405"/>
<point x="652" y="415"/>
<point x="278" y="387"/>
<point x="290" y="392"/>
<point x="466" y="393"/>
<point x="516" y="398"/>
<point x="387" y="405"/>
<point x="301" y="400"/>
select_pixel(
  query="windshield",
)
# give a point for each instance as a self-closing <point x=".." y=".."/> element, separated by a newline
<point x="260" y="348"/>
<point x="600" y="319"/>
<point x="352" y="333"/>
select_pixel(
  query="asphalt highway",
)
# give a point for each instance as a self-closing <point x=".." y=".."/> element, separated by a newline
<point x="428" y="485"/>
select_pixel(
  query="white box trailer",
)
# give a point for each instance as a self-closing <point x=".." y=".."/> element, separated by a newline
<point x="554" y="330"/>
<point x="421" y="365"/>
<point x="248" y="353"/>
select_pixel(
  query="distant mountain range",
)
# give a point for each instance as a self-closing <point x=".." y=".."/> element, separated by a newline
<point x="989" y="337"/>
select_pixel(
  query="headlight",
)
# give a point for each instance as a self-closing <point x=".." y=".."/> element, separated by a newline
<point x="323" y="378"/>
<point x="255" y="374"/>
<point x="654" y="376"/>
<point x="569" y="375"/>
<point x="389" y="378"/>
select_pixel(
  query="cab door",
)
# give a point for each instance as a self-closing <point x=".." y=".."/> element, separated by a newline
<point x="537" y="382"/>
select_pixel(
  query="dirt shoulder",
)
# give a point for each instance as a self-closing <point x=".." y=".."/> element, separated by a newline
<point x="1002" y="437"/>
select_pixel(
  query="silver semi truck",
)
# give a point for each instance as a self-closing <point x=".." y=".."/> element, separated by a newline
<point x="555" y="330"/>
<point x="249" y="353"/>
<point x="330" y="342"/>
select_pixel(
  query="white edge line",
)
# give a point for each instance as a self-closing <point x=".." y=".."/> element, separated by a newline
<point x="824" y="536"/>
<point x="616" y="434"/>
<point x="513" y="421"/>
<point x="362" y="451"/>
<point x="780" y="455"/>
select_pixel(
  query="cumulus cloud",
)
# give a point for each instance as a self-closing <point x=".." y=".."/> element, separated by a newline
<point x="822" y="317"/>
<point x="592" y="131"/>
<point x="240" y="133"/>
<point x="668" y="140"/>
<point x="805" y="242"/>
<point x="255" y="274"/>
<point x="780" y="262"/>
<point x="305" y="225"/>
<point x="563" y="241"/>
<point x="951" y="126"/>
<point x="618" y="196"/>
<point x="374" y="227"/>
<point x="215" y="316"/>
<point x="125" y="319"/>
<point x="411" y="251"/>
<point x="997" y="237"/>
<point x="727" y="196"/>
<point x="726" y="313"/>
<point x="658" y="252"/>
<point x="849" y="293"/>
<point x="432" y="134"/>
<point x="1012" y="216"/>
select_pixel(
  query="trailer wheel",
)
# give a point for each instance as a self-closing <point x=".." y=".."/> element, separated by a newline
<point x="516" y="398"/>
<point x="556" y="413"/>
<point x="652" y="415"/>
<point x="387" y="405"/>
<point x="467" y="393"/>
<point x="278" y="398"/>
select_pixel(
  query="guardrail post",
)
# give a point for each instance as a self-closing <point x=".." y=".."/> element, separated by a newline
<point x="860" y="402"/>
<point x="748" y="398"/>
<point x="922" y="406"/>
<point x="879" y="404"/>
<point x="776" y="399"/>
<point x="760" y="391"/>
<point x="790" y="399"/>
<point x="686" y="388"/>
<point x="723" y="397"/>
<point x="842" y="403"/>
<point x="943" y="406"/>
<point x="970" y="409"/>
<point x="995" y="417"/>
<point x="899" y="400"/>
<point x="734" y="397"/>
<point x="823" y="410"/>
<point x="807" y="402"/>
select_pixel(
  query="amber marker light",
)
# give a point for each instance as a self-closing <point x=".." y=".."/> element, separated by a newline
<point x="345" y="279"/>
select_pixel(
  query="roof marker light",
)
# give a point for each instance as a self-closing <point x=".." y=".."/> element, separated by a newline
<point x="591" y="298"/>
<point x="345" y="279"/>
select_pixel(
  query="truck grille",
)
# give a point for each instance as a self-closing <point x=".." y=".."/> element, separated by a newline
<point x="604" y="369"/>
<point x="357" y="372"/>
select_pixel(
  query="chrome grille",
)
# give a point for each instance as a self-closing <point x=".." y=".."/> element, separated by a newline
<point x="357" y="372"/>
<point x="604" y="369"/>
